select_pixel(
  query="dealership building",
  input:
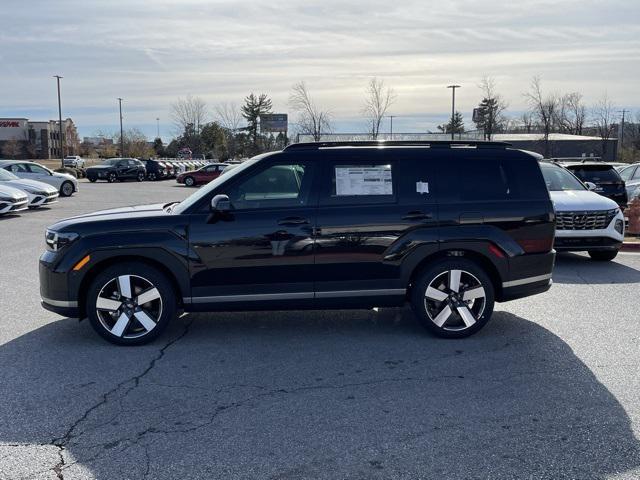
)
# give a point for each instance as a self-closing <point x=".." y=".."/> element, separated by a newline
<point x="22" y="138"/>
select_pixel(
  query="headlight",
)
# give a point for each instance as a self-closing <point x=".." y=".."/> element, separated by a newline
<point x="57" y="240"/>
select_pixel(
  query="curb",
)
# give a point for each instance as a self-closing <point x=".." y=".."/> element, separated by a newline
<point x="630" y="247"/>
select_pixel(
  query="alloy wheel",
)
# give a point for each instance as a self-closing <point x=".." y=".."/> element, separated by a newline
<point x="129" y="306"/>
<point x="189" y="182"/>
<point x="67" y="189"/>
<point x="455" y="300"/>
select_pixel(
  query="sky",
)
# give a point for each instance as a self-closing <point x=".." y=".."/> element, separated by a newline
<point x="151" y="53"/>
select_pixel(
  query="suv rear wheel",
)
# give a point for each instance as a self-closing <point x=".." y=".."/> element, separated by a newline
<point x="112" y="177"/>
<point x="453" y="298"/>
<point x="603" y="255"/>
<point x="130" y="303"/>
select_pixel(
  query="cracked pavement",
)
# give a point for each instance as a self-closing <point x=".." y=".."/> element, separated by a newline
<point x="549" y="389"/>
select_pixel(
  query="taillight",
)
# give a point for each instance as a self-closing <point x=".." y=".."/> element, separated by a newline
<point x="536" y="245"/>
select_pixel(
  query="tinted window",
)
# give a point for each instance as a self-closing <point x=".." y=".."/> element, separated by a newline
<point x="18" y="168"/>
<point x="38" y="169"/>
<point x="490" y="179"/>
<point x="596" y="173"/>
<point x="356" y="182"/>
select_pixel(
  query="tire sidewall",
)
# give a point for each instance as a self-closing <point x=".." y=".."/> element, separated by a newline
<point x="157" y="278"/>
<point x="189" y="182"/>
<point x="432" y="271"/>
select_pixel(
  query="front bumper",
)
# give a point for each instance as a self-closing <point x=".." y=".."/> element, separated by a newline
<point x="55" y="288"/>
<point x="597" y="239"/>
<point x="36" y="200"/>
<point x="13" y="207"/>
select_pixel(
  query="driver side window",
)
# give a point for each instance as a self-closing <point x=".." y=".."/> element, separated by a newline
<point x="276" y="185"/>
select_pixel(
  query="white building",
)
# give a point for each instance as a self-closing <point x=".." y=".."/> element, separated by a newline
<point x="21" y="138"/>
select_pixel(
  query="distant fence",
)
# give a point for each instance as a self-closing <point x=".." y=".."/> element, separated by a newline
<point x="355" y="137"/>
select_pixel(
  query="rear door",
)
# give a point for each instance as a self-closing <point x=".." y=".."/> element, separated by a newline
<point x="362" y="217"/>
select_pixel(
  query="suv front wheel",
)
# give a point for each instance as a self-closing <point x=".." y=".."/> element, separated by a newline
<point x="130" y="303"/>
<point x="453" y="298"/>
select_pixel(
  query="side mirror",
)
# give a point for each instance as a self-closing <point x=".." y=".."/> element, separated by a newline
<point x="220" y="203"/>
<point x="590" y="186"/>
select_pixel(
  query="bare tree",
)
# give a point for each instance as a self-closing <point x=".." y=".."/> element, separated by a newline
<point x="378" y="99"/>
<point x="11" y="149"/>
<point x="527" y="122"/>
<point x="603" y="119"/>
<point x="229" y="116"/>
<point x="312" y="120"/>
<point x="188" y="111"/>
<point x="571" y="114"/>
<point x="543" y="107"/>
<point x="491" y="108"/>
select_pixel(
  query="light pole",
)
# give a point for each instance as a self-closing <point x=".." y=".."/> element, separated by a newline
<point x="621" y="146"/>
<point x="158" y="127"/>
<point x="121" y="135"/>
<point x="58" y="77"/>
<point x="453" y="108"/>
<point x="391" y="128"/>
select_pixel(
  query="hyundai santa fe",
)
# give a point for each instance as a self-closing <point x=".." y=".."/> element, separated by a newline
<point x="450" y="227"/>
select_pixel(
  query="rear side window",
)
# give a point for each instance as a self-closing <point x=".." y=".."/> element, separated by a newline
<point x="477" y="179"/>
<point x="353" y="182"/>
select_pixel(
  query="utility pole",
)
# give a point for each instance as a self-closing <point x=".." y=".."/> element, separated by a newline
<point x="58" y="77"/>
<point x="121" y="135"/>
<point x="453" y="108"/>
<point x="391" y="130"/>
<point x="158" y="127"/>
<point x="621" y="146"/>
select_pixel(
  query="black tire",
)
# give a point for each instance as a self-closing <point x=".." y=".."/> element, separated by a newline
<point x="66" y="189"/>
<point x="151" y="177"/>
<point x="92" y="179"/>
<point x="190" y="181"/>
<point x="112" y="178"/>
<point x="140" y="176"/>
<point x="134" y="333"/>
<point x="427" y="309"/>
<point x="603" y="255"/>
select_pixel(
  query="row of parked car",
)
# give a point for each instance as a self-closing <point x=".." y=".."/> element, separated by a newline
<point x="119" y="169"/>
<point x="26" y="185"/>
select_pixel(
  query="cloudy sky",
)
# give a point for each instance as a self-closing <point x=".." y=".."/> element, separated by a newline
<point x="152" y="52"/>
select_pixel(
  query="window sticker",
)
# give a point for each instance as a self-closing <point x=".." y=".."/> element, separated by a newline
<point x="422" y="187"/>
<point x="373" y="180"/>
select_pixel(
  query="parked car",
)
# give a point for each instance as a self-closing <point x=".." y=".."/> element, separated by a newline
<point x="202" y="175"/>
<point x="115" y="169"/>
<point x="156" y="170"/>
<point x="73" y="161"/>
<point x="374" y="225"/>
<point x="606" y="179"/>
<point x="631" y="176"/>
<point x="38" y="193"/>
<point x="65" y="183"/>
<point x="12" y="200"/>
<point x="585" y="221"/>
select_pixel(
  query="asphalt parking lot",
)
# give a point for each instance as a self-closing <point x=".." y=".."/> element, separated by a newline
<point x="549" y="389"/>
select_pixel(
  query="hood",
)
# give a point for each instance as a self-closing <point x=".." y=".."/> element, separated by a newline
<point x="580" y="200"/>
<point x="22" y="183"/>
<point x="12" y="192"/>
<point x="131" y="214"/>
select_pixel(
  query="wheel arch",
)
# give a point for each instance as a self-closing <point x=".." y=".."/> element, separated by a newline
<point x="105" y="263"/>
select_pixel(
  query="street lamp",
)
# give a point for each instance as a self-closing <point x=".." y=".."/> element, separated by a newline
<point x="453" y="108"/>
<point x="391" y="117"/>
<point x="58" y="77"/>
<point x="121" y="135"/>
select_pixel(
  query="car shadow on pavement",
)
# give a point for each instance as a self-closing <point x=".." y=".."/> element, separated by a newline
<point x="573" y="268"/>
<point x="282" y="395"/>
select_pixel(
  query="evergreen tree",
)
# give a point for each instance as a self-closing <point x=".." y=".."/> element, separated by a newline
<point x="253" y="107"/>
<point x="457" y="127"/>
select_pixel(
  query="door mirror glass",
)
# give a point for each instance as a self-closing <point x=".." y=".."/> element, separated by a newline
<point x="590" y="186"/>
<point x="220" y="203"/>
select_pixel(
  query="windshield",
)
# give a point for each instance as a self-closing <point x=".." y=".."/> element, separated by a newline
<point x="596" y="173"/>
<point x="195" y="198"/>
<point x="558" y="179"/>
<point x="5" y="176"/>
<point x="626" y="172"/>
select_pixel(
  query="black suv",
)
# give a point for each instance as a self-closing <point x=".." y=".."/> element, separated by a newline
<point x="156" y="170"/>
<point x="604" y="179"/>
<point x="115" y="169"/>
<point x="450" y="227"/>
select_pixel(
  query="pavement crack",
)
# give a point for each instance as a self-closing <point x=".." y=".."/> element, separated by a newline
<point x="131" y="383"/>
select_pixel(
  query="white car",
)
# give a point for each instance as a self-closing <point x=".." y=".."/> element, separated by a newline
<point x="585" y="221"/>
<point x="12" y="200"/>
<point x="66" y="184"/>
<point x="73" y="161"/>
<point x="39" y="193"/>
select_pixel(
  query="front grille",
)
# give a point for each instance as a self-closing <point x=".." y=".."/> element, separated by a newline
<point x="586" y="220"/>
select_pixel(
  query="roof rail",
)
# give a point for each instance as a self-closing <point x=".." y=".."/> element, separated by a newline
<point x="400" y="143"/>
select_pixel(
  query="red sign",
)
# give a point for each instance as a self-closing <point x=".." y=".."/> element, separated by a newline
<point x="9" y="124"/>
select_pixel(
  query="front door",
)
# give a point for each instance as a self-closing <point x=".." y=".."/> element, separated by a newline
<point x="262" y="252"/>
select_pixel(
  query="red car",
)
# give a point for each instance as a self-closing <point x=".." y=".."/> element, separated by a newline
<point x="202" y="175"/>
